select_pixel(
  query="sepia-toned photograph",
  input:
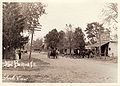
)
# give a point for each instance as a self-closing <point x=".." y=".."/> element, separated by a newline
<point x="59" y="42"/>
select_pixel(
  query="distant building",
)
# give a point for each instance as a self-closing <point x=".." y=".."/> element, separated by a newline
<point x="108" y="45"/>
<point x="108" y="48"/>
<point x="113" y="48"/>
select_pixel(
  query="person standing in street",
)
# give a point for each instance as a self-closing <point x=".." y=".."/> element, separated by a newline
<point x="19" y="54"/>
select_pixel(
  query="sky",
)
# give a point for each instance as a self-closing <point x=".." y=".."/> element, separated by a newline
<point x="79" y="14"/>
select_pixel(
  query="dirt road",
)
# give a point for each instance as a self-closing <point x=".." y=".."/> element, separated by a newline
<point x="69" y="70"/>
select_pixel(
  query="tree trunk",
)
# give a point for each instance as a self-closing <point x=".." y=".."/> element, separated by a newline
<point x="9" y="54"/>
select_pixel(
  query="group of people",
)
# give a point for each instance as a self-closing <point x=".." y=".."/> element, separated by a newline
<point x="53" y="52"/>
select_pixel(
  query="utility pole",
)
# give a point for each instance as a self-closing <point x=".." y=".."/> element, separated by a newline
<point x="100" y="42"/>
<point x="31" y="44"/>
<point x="33" y="30"/>
<point x="70" y="26"/>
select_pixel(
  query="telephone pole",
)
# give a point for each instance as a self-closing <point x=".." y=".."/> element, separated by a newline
<point x="100" y="42"/>
<point x="33" y="30"/>
<point x="31" y="44"/>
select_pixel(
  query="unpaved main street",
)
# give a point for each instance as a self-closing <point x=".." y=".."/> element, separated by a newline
<point x="69" y="70"/>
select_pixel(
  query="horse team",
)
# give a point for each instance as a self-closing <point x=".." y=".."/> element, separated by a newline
<point x="54" y="52"/>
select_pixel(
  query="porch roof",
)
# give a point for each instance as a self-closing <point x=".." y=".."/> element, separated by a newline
<point x="97" y="44"/>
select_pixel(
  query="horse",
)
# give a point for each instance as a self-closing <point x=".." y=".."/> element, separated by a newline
<point x="87" y="52"/>
<point x="52" y="53"/>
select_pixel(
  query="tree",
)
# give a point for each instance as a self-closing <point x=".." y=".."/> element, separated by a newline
<point x="13" y="25"/>
<point x="32" y="13"/>
<point x="37" y="44"/>
<point x="110" y="17"/>
<point x="52" y="39"/>
<point x="69" y="36"/>
<point x="94" y="31"/>
<point x="18" y="17"/>
<point x="61" y="43"/>
<point x="78" y="38"/>
<point x="110" y="13"/>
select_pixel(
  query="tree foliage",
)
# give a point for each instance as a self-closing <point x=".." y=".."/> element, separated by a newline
<point x="69" y="40"/>
<point x="69" y="37"/>
<point x="32" y="12"/>
<point x="13" y="25"/>
<point x="110" y="13"/>
<point x="18" y="17"/>
<point x="94" y="31"/>
<point x="52" y="38"/>
<point x="37" y="44"/>
<point x="78" y="38"/>
<point x="61" y="43"/>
